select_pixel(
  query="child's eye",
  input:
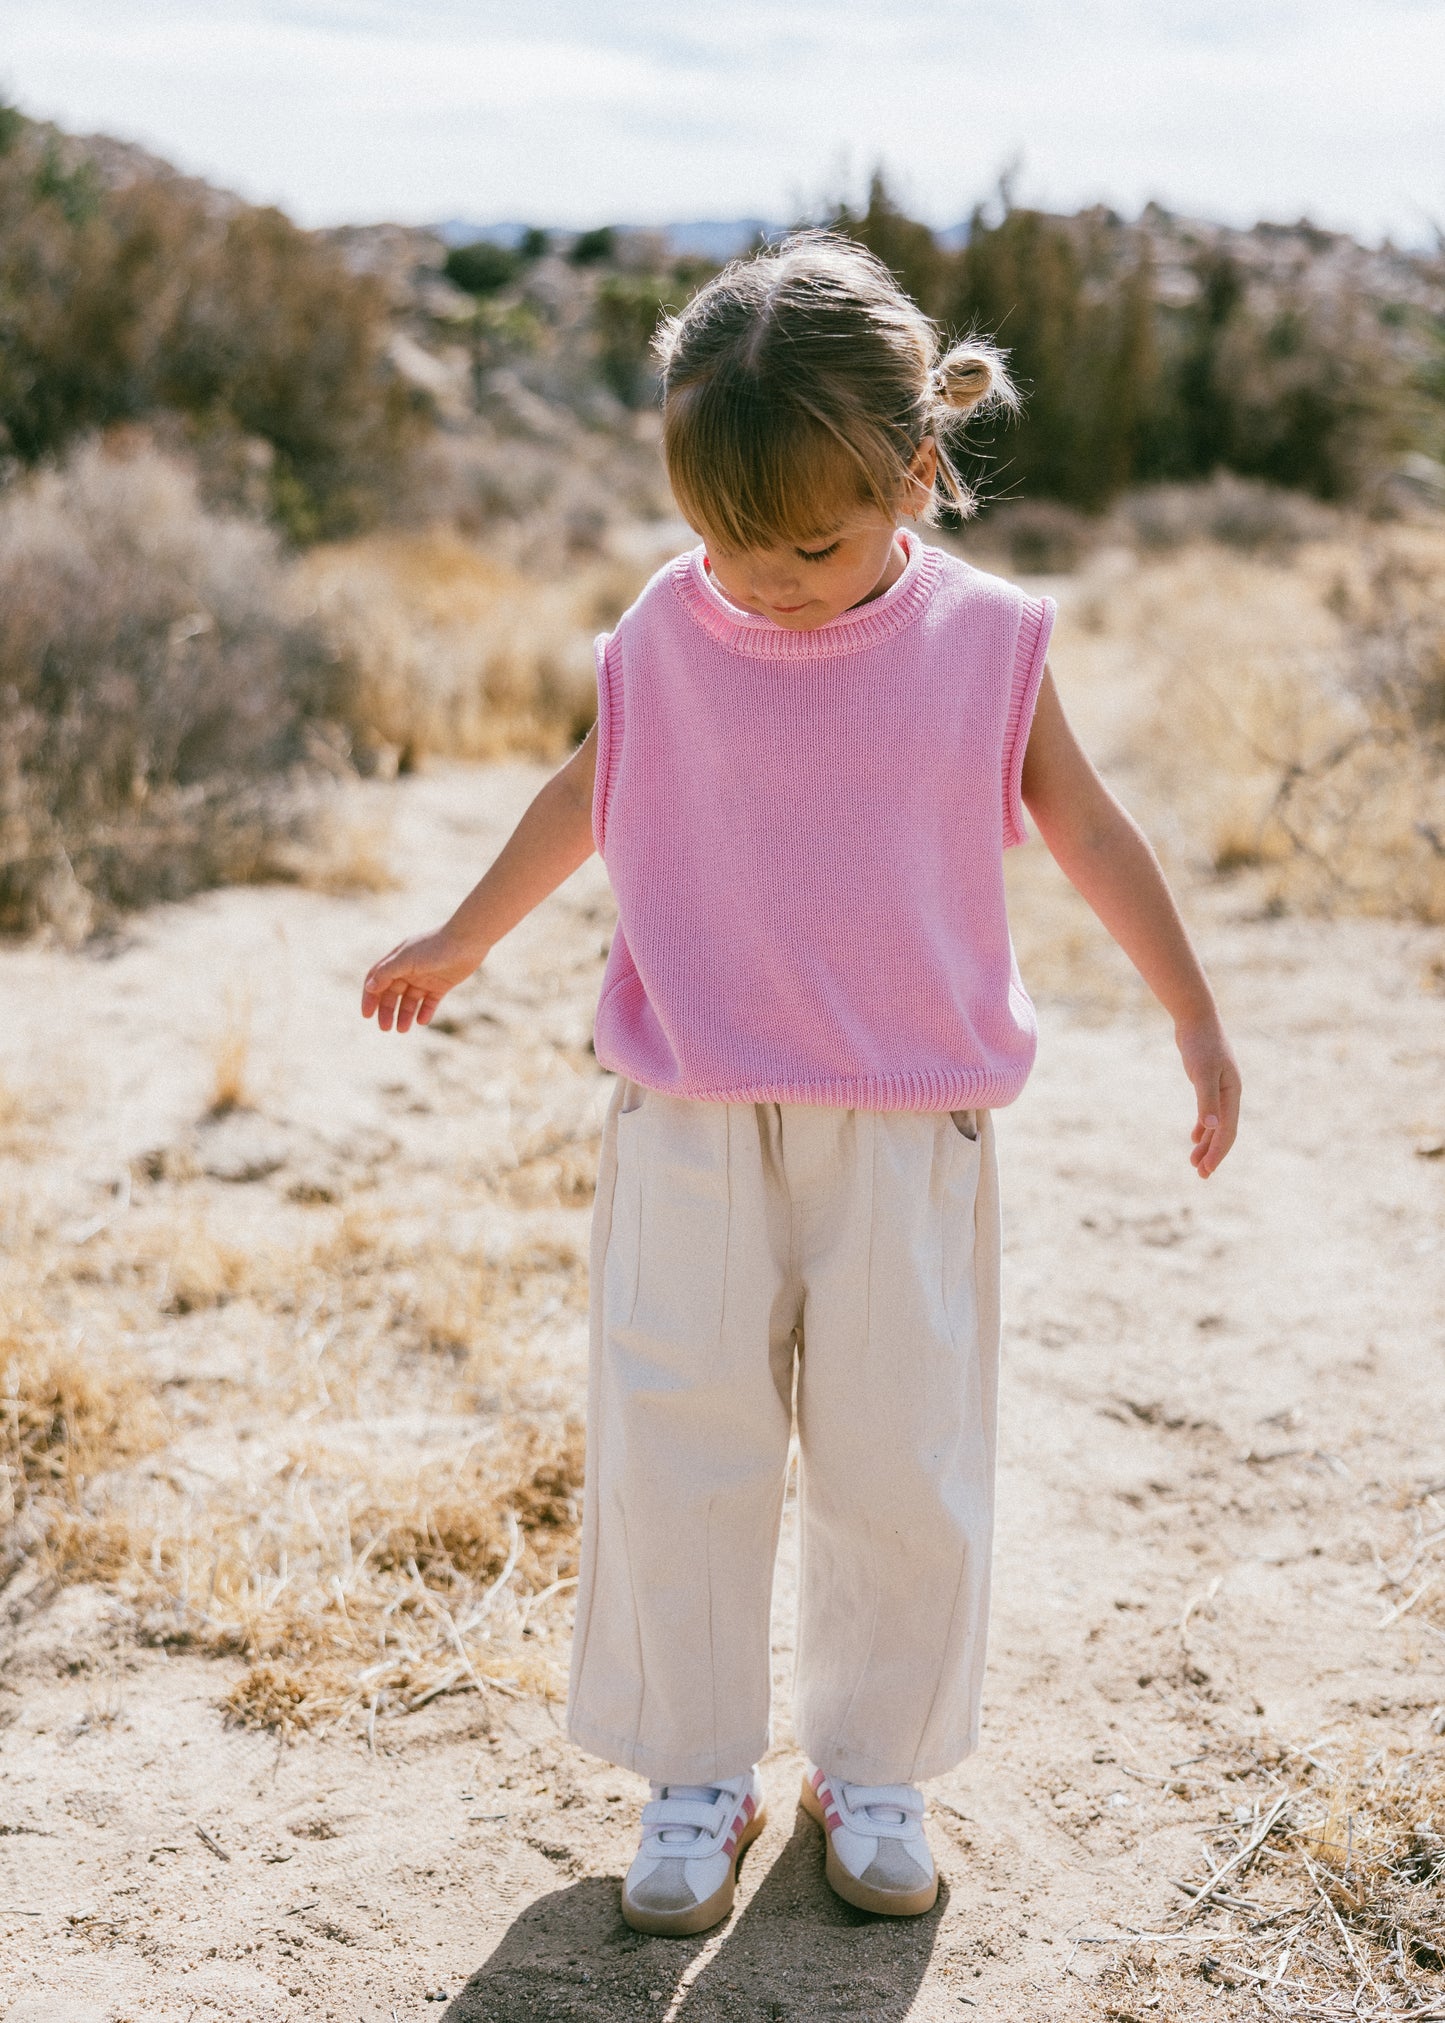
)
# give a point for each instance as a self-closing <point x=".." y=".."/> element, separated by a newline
<point x="818" y="554"/>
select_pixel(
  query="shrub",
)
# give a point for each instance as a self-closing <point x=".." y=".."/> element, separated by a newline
<point x="154" y="680"/>
<point x="1039" y="536"/>
<point x="591" y="248"/>
<point x="1295" y="381"/>
<point x="482" y="268"/>
<point x="1242" y="513"/>
<point x="626" y="313"/>
<point x="118" y="303"/>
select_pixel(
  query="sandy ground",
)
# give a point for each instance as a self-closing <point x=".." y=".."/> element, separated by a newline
<point x="1220" y="1401"/>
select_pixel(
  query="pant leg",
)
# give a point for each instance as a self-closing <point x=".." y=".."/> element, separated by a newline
<point x="897" y="1406"/>
<point x="693" y="1310"/>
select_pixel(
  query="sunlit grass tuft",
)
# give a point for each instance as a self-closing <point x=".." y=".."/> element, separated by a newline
<point x="230" y="1058"/>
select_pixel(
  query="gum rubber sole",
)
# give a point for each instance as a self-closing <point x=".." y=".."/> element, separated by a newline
<point x="711" y="1911"/>
<point x="882" y="1903"/>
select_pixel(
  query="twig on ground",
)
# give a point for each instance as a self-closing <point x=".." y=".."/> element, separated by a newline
<point x="1238" y="1861"/>
<point x="214" y="1845"/>
<point x="1356" y="1961"/>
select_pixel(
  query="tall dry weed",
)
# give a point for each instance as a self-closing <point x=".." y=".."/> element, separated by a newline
<point x="1296" y="727"/>
<point x="452" y="653"/>
<point x="231" y="1058"/>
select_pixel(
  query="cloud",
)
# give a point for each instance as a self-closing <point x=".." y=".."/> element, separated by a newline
<point x="642" y="110"/>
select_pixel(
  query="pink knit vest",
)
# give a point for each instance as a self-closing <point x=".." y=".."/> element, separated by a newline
<point x="805" y="831"/>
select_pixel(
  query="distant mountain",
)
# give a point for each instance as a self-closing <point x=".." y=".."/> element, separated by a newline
<point x="466" y="232"/>
<point x="719" y="238"/>
<point x="705" y="238"/>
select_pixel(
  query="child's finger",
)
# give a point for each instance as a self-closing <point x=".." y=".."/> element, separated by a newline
<point x="1228" y="1116"/>
<point x="393" y="963"/>
<point x="1208" y="1093"/>
<point x="1228" y="1129"/>
<point x="374" y="983"/>
<point x="1206" y="1124"/>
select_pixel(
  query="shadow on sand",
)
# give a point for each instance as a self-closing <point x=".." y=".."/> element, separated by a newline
<point x="795" y="1953"/>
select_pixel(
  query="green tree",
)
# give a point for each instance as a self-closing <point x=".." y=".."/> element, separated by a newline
<point x="908" y="249"/>
<point x="116" y="304"/>
<point x="481" y="268"/>
<point x="1072" y="306"/>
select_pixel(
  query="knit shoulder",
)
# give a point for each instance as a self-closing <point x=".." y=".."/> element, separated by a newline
<point x="981" y="585"/>
<point x="657" y="593"/>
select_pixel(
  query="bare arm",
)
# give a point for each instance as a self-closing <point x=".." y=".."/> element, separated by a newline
<point x="553" y="837"/>
<point x="1104" y="854"/>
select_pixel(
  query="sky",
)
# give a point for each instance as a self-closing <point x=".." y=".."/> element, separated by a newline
<point x="641" y="111"/>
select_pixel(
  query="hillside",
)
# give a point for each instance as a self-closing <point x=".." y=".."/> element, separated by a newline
<point x="401" y="366"/>
<point x="278" y="507"/>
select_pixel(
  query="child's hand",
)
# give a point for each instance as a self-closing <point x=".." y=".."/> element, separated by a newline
<point x="1213" y="1070"/>
<point x="412" y="981"/>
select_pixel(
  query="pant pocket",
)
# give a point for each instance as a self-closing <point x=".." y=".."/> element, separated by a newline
<point x="675" y="1150"/>
<point x="959" y="1235"/>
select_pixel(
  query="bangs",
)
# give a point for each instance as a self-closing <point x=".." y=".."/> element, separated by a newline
<point x="753" y="472"/>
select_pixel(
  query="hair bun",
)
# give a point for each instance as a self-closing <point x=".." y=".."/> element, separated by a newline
<point x="972" y="373"/>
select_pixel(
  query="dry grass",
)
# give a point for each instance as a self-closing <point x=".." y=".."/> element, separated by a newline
<point x="350" y="1590"/>
<point x="357" y="1568"/>
<point x="346" y="849"/>
<point x="1337" y="1898"/>
<point x="22" y="1124"/>
<point x="1289" y="721"/>
<point x="1323" y="1898"/>
<point x="64" y="1422"/>
<point x="1371" y="1836"/>
<point x="200" y="1269"/>
<point x="457" y="654"/>
<point x="1324" y="1895"/>
<point x="230" y="1058"/>
<point x="1412" y="1582"/>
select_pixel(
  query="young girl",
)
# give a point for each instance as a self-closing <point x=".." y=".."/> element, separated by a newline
<point x="816" y="735"/>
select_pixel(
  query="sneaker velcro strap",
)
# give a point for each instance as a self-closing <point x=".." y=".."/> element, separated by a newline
<point x="900" y="1797"/>
<point x="661" y="1812"/>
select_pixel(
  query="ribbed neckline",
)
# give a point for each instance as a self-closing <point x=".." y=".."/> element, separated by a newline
<point x="850" y="632"/>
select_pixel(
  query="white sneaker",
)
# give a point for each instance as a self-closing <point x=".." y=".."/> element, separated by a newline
<point x="878" y="1856"/>
<point x="686" y="1871"/>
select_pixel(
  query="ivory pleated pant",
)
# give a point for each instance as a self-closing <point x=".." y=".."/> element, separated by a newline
<point x="732" y="1245"/>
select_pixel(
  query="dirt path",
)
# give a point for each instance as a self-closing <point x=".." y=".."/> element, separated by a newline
<point x="1222" y="1405"/>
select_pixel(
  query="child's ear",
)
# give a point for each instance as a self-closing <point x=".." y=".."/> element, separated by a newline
<point x="922" y="475"/>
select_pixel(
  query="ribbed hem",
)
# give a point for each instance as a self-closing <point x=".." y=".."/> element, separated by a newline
<point x="923" y="1089"/>
<point x="609" y="738"/>
<point x="1030" y="654"/>
<point x="850" y="632"/>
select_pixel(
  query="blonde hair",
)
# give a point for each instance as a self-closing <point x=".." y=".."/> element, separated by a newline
<point x="803" y="376"/>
